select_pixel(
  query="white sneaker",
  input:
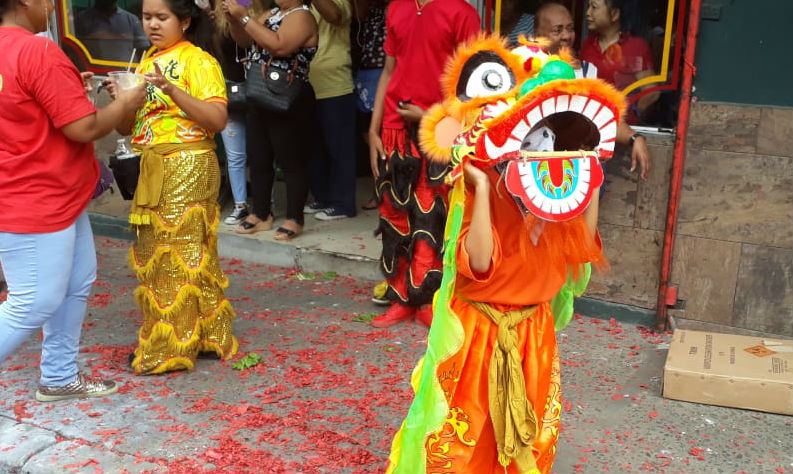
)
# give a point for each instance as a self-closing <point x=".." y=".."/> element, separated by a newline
<point x="237" y="215"/>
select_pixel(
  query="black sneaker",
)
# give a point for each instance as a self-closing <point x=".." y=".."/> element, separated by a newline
<point x="237" y="215"/>
<point x="314" y="208"/>
<point x="330" y="214"/>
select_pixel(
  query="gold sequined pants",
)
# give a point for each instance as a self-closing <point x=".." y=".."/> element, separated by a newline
<point x="181" y="292"/>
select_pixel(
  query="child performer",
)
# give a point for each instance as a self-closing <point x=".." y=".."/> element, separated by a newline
<point x="520" y="235"/>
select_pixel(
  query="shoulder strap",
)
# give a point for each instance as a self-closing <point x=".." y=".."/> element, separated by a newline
<point x="301" y="7"/>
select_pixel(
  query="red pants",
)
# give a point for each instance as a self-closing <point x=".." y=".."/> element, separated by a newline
<point x="413" y="206"/>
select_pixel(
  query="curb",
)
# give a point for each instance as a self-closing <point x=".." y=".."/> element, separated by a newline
<point x="623" y="313"/>
<point x="306" y="259"/>
<point x="312" y="259"/>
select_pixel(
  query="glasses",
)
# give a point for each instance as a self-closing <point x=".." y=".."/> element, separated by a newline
<point x="558" y="30"/>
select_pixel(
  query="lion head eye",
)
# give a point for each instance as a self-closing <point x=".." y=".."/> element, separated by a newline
<point x="484" y="74"/>
<point x="493" y="80"/>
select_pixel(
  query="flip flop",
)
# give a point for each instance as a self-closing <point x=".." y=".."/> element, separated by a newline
<point x="282" y="233"/>
<point x="246" y="227"/>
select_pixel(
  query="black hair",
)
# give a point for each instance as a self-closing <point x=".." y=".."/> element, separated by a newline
<point x="201" y="31"/>
<point x="5" y="6"/>
<point x="628" y="11"/>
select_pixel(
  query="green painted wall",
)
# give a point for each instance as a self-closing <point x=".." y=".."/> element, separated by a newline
<point x="745" y="55"/>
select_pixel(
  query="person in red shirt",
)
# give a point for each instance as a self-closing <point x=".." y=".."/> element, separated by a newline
<point x="48" y="175"/>
<point x="420" y="37"/>
<point x="620" y="58"/>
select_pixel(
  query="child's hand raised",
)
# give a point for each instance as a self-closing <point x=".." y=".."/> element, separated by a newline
<point x="474" y="176"/>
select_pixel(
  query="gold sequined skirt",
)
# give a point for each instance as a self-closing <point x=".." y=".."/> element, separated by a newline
<point x="181" y="292"/>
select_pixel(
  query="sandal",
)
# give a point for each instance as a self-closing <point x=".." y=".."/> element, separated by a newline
<point x="370" y="205"/>
<point x="283" y="233"/>
<point x="247" y="227"/>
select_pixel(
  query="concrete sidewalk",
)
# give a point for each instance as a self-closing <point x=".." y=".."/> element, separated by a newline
<point x="331" y="391"/>
<point x="347" y="246"/>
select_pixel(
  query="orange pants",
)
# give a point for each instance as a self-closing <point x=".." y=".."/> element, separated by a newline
<point x="466" y="442"/>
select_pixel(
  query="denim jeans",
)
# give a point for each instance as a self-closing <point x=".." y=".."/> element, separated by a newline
<point x="49" y="279"/>
<point x="236" y="158"/>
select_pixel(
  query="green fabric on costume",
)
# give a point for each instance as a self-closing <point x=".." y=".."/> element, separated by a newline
<point x="429" y="409"/>
<point x="562" y="303"/>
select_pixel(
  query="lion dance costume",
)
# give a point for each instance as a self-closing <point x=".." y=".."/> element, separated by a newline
<point x="175" y="214"/>
<point x="488" y="394"/>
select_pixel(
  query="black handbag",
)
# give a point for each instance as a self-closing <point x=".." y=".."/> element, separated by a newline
<point x="126" y="171"/>
<point x="235" y="91"/>
<point x="270" y="87"/>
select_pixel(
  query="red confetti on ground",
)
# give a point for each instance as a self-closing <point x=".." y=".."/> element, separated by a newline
<point x="316" y="404"/>
<point x="87" y="462"/>
<point x="697" y="452"/>
<point x="21" y="410"/>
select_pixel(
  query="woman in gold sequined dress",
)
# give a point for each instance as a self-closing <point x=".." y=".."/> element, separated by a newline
<point x="174" y="211"/>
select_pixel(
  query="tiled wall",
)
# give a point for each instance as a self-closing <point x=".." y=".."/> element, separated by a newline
<point x="733" y="260"/>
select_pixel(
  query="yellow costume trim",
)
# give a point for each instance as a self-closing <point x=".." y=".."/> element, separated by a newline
<point x="160" y="226"/>
<point x="206" y="346"/>
<point x="141" y="218"/>
<point x="164" y="331"/>
<point x="147" y="270"/>
<point x="173" y="363"/>
<point x="146" y="298"/>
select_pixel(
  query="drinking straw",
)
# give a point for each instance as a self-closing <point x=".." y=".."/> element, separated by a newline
<point x="131" y="58"/>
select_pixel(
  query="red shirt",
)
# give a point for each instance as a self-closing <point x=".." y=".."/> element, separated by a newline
<point x="46" y="180"/>
<point x="621" y="61"/>
<point x="421" y="45"/>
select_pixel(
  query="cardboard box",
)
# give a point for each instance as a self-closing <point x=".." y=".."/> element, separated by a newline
<point x="730" y="370"/>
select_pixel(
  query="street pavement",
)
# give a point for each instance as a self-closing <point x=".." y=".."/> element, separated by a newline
<point x="331" y="391"/>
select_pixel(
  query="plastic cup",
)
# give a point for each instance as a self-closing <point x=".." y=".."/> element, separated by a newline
<point x="126" y="80"/>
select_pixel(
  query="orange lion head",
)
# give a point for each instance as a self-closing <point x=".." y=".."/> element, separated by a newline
<point x="523" y="112"/>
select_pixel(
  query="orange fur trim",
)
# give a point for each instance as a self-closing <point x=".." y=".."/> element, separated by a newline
<point x="454" y="68"/>
<point x="540" y="42"/>
<point x="567" y="55"/>
<point x="427" y="139"/>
